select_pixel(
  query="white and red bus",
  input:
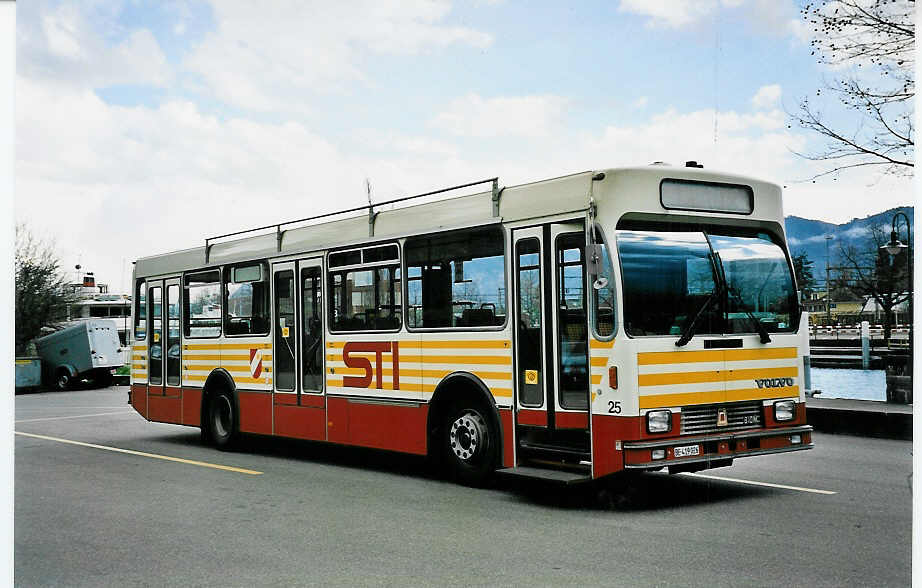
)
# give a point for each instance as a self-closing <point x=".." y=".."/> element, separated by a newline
<point x="567" y="329"/>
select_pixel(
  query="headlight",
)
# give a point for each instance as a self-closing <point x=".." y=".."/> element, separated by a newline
<point x="784" y="410"/>
<point x="659" y="421"/>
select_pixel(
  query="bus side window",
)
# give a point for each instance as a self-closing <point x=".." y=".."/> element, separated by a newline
<point x="140" y="311"/>
<point x="456" y="279"/>
<point x="246" y="299"/>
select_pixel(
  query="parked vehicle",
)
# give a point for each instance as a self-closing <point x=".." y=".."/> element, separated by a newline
<point x="88" y="350"/>
<point x="28" y="373"/>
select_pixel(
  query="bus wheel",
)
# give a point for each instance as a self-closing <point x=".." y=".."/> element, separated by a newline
<point x="222" y="420"/>
<point x="470" y="445"/>
<point x="62" y="380"/>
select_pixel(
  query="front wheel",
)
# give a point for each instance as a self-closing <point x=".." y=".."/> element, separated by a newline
<point x="222" y="420"/>
<point x="470" y="444"/>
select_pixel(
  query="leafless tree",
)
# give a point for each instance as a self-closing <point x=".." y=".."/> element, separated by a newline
<point x="41" y="298"/>
<point x="870" y="272"/>
<point x="871" y="42"/>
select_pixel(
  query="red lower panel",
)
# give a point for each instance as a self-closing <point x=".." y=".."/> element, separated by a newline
<point x="165" y="410"/>
<point x="571" y="420"/>
<point x="314" y="400"/>
<point x="192" y="406"/>
<point x="287" y="399"/>
<point x="535" y="418"/>
<point x="394" y="427"/>
<point x="255" y="412"/>
<point x="155" y="390"/>
<point x="606" y="430"/>
<point x="172" y="391"/>
<point x="800" y="416"/>
<point x="139" y="399"/>
<point x="398" y="428"/>
<point x="338" y="420"/>
<point x="505" y="419"/>
<point x="300" y="422"/>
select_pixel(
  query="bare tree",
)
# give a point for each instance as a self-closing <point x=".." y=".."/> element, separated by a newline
<point x="872" y="42"/>
<point x="41" y="298"/>
<point x="871" y="273"/>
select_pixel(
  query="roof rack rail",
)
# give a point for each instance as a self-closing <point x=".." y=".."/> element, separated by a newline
<point x="371" y="214"/>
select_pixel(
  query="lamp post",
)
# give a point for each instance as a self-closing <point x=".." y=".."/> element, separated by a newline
<point x="828" y="317"/>
<point x="893" y="248"/>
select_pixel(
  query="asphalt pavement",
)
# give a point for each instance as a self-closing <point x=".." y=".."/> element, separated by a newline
<point x="103" y="497"/>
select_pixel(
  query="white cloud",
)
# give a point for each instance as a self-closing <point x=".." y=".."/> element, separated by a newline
<point x="766" y="16"/>
<point x="276" y="56"/>
<point x="62" y="45"/>
<point x="767" y="96"/>
<point x="527" y="116"/>
<point x="640" y="102"/>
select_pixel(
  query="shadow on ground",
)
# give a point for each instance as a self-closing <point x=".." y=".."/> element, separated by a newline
<point x="639" y="492"/>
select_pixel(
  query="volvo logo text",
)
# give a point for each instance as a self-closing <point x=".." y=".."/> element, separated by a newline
<point x="774" y="382"/>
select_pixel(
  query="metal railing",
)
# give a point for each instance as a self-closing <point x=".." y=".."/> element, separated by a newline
<point x="497" y="192"/>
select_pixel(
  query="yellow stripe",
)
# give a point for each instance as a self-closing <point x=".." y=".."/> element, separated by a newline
<point x="203" y="357"/>
<point x="219" y="346"/>
<point x="760" y="393"/>
<point x="461" y="360"/>
<point x="664" y="357"/>
<point x="596" y="380"/>
<point x="413" y="387"/>
<point x="664" y="400"/>
<point x="459" y="344"/>
<point x="770" y="353"/>
<point x="594" y="344"/>
<point x="714" y="376"/>
<point x="408" y="373"/>
<point x="598" y="361"/>
<point x="144" y="454"/>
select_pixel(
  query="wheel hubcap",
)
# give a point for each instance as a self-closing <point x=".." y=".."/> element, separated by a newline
<point x="467" y="435"/>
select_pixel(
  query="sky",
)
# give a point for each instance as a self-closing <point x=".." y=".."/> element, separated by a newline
<point x="145" y="127"/>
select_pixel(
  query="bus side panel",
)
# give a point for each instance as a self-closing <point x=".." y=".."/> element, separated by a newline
<point x="255" y="412"/>
<point x="605" y="431"/>
<point x="192" y="406"/>
<point x="396" y="427"/>
<point x="139" y="398"/>
<point x="300" y="422"/>
<point x="165" y="409"/>
<point x="505" y="419"/>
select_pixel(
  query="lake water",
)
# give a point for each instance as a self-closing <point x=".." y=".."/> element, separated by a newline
<point x="854" y="384"/>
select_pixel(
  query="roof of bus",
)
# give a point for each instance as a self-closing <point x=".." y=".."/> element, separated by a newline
<point x="621" y="191"/>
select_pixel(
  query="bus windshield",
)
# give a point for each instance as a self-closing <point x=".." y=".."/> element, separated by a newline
<point x="670" y="276"/>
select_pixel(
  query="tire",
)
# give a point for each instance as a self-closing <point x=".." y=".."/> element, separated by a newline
<point x="470" y="444"/>
<point x="103" y="379"/>
<point x="222" y="420"/>
<point x="62" y="380"/>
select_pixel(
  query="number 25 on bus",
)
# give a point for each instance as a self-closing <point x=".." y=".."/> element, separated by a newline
<point x="567" y="329"/>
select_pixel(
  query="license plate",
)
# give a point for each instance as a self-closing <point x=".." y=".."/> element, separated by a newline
<point x="686" y="451"/>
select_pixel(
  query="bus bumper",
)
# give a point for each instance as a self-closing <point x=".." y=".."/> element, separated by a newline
<point x="710" y="451"/>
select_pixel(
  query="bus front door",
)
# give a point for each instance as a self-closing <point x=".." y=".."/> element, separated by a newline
<point x="552" y="364"/>
<point x="299" y="404"/>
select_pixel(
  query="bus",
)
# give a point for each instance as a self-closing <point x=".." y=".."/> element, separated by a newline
<point x="570" y="329"/>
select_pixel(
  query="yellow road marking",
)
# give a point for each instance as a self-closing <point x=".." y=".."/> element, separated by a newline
<point x="144" y="454"/>
<point x="76" y="416"/>
<point x="756" y="483"/>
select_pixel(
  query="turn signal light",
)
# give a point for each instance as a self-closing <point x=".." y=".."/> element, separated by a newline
<point x="613" y="377"/>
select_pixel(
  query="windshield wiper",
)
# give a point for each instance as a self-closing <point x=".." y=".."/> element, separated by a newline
<point x="763" y="334"/>
<point x="689" y="331"/>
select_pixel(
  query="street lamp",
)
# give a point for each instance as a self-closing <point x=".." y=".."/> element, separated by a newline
<point x="893" y="248"/>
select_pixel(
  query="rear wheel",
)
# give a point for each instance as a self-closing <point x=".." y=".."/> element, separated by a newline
<point x="222" y="420"/>
<point x="470" y="444"/>
<point x="62" y="380"/>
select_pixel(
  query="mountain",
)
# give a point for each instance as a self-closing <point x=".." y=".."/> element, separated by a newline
<point x="810" y="235"/>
